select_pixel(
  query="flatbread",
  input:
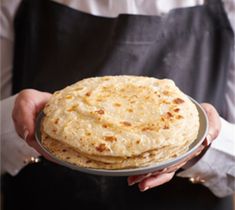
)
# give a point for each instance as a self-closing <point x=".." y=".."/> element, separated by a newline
<point x="68" y="154"/>
<point x="117" y="119"/>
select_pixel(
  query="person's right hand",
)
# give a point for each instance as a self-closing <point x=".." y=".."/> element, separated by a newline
<point x="27" y="105"/>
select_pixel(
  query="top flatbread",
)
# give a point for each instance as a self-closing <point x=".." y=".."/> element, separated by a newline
<point x="121" y="116"/>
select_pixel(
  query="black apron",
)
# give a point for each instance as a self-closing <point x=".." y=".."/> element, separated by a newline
<point x="56" y="46"/>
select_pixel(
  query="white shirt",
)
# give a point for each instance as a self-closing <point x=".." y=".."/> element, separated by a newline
<point x="217" y="165"/>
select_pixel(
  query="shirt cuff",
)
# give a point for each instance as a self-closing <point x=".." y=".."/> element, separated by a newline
<point x="15" y="152"/>
<point x="216" y="169"/>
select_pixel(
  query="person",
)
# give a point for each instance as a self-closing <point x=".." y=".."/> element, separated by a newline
<point x="57" y="43"/>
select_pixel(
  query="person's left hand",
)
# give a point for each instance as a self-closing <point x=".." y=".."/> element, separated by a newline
<point x="157" y="178"/>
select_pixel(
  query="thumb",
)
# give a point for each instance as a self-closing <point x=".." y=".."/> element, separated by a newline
<point x="214" y="123"/>
<point x="27" y="105"/>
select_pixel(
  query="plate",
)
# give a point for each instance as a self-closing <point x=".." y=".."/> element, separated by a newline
<point x="132" y="171"/>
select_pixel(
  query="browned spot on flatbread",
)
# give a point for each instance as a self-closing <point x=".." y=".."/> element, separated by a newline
<point x="166" y="127"/>
<point x="126" y="123"/>
<point x="104" y="126"/>
<point x="147" y="129"/>
<point x="101" y="111"/>
<point x="169" y="115"/>
<point x="110" y="138"/>
<point x="56" y="121"/>
<point x="101" y="147"/>
<point x="179" y="117"/>
<point x="88" y="94"/>
<point x="68" y="97"/>
<point x="117" y="104"/>
<point x="178" y="101"/>
<point x="72" y="108"/>
<point x="165" y="92"/>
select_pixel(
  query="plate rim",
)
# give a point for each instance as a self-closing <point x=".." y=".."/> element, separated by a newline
<point x="129" y="171"/>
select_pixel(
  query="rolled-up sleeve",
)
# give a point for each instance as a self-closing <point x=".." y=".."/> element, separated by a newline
<point x="15" y="153"/>
<point x="217" y="167"/>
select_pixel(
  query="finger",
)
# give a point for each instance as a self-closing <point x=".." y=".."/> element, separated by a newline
<point x="41" y="100"/>
<point x="173" y="168"/>
<point x="135" y="179"/>
<point x="213" y="121"/>
<point x="39" y="103"/>
<point x="155" y="181"/>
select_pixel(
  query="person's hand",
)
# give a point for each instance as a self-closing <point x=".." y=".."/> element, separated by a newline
<point x="27" y="105"/>
<point x="147" y="181"/>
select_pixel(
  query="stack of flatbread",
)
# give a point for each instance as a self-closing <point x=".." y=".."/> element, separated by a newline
<point x="118" y="122"/>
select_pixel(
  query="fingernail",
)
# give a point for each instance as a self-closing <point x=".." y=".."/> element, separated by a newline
<point x="26" y="133"/>
<point x="131" y="183"/>
<point x="208" y="140"/>
<point x="140" y="178"/>
<point x="198" y="153"/>
<point x="178" y="167"/>
<point x="163" y="170"/>
<point x="144" y="189"/>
